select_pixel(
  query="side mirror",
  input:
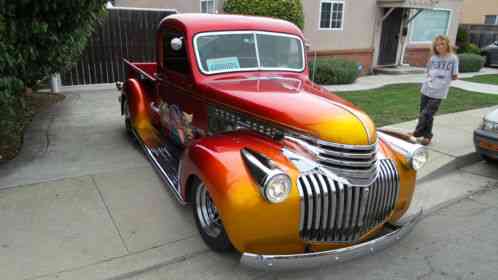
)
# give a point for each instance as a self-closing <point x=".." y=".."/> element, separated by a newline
<point x="176" y="44"/>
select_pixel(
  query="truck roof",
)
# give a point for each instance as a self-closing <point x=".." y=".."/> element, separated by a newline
<point x="196" y="23"/>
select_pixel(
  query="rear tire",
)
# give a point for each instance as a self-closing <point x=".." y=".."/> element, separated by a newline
<point x="127" y="116"/>
<point x="208" y="220"/>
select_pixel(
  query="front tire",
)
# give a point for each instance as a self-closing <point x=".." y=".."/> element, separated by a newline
<point x="208" y="220"/>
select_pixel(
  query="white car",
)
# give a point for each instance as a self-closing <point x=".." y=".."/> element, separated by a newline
<point x="486" y="137"/>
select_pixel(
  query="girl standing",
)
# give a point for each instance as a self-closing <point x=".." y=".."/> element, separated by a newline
<point x="442" y="68"/>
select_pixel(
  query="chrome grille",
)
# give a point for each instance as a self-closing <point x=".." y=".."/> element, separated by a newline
<point x="357" y="163"/>
<point x="332" y="211"/>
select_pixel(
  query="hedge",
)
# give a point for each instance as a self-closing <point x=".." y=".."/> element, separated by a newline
<point x="12" y="117"/>
<point x="469" y="48"/>
<point x="290" y="10"/>
<point x="39" y="38"/>
<point x="470" y="62"/>
<point x="333" y="71"/>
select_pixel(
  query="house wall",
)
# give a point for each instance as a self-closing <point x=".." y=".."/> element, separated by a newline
<point x="475" y="10"/>
<point x="416" y="53"/>
<point x="356" y="39"/>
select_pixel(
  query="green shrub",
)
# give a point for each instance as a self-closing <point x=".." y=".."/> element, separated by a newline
<point x="39" y="38"/>
<point x="290" y="10"/>
<point x="470" y="48"/>
<point x="463" y="37"/>
<point x="12" y="112"/>
<point x="470" y="62"/>
<point x="333" y="71"/>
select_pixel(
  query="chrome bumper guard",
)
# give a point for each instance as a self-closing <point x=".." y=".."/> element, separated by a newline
<point x="327" y="258"/>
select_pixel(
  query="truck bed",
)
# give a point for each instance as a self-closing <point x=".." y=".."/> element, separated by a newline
<point x="141" y="70"/>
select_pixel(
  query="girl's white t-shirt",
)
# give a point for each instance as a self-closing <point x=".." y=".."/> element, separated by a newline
<point x="440" y="71"/>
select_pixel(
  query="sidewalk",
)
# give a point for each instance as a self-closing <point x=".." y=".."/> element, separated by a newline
<point x="81" y="202"/>
<point x="377" y="81"/>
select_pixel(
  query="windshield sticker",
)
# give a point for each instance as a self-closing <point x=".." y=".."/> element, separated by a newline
<point x="224" y="63"/>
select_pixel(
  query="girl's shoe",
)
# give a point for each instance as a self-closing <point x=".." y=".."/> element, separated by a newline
<point x="425" y="141"/>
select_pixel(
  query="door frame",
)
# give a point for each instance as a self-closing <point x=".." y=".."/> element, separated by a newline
<point x="378" y="36"/>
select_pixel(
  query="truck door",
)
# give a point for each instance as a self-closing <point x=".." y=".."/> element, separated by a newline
<point x="176" y="94"/>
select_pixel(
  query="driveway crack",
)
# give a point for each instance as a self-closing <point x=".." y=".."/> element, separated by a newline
<point x="110" y="215"/>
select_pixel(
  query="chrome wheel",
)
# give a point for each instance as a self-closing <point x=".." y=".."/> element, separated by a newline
<point x="207" y="214"/>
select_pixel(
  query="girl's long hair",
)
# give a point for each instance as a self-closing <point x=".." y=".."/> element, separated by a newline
<point x="446" y="40"/>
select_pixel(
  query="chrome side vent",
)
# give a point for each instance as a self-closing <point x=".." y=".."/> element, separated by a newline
<point x="332" y="211"/>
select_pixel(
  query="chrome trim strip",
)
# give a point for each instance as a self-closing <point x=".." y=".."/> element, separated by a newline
<point x="347" y="162"/>
<point x="333" y="207"/>
<point x="346" y="146"/>
<point x="347" y="155"/>
<point x="316" y="259"/>
<point x="317" y="197"/>
<point x="325" y="201"/>
<point x="302" y="205"/>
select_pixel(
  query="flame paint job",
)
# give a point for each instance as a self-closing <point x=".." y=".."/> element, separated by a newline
<point x="253" y="224"/>
<point x="291" y="100"/>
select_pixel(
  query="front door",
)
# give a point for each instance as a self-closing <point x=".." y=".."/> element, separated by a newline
<point x="390" y="37"/>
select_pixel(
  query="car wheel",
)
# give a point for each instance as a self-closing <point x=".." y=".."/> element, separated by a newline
<point x="489" y="159"/>
<point x="208" y="220"/>
<point x="127" y="116"/>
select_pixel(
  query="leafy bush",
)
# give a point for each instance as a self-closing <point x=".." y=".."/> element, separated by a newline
<point x="290" y="10"/>
<point x="463" y="37"/>
<point x="12" y="112"/>
<point x="38" y="38"/>
<point x="470" y="48"/>
<point x="333" y="71"/>
<point x="470" y="62"/>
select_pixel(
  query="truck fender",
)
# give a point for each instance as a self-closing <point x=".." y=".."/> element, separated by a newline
<point x="217" y="161"/>
<point x="138" y="102"/>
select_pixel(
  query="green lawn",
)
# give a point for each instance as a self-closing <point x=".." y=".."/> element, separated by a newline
<point x="484" y="79"/>
<point x="397" y="103"/>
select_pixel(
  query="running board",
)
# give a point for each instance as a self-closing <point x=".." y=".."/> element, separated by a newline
<point x="165" y="160"/>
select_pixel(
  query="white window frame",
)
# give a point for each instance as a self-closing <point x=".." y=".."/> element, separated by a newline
<point x="214" y="6"/>
<point x="496" y="19"/>
<point x="332" y="2"/>
<point x="412" y="27"/>
<point x="259" y="67"/>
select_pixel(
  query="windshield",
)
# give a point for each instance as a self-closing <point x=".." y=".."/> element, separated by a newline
<point x="220" y="52"/>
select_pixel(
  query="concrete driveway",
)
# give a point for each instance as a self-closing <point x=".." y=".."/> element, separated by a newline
<point x="81" y="202"/>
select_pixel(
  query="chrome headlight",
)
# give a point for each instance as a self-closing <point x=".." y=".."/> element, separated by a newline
<point x="489" y="125"/>
<point x="419" y="158"/>
<point x="412" y="155"/>
<point x="275" y="185"/>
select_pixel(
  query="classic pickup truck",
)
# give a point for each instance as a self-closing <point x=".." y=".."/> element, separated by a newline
<point x="274" y="166"/>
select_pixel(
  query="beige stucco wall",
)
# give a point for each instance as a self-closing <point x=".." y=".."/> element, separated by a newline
<point x="358" y="28"/>
<point x="475" y="10"/>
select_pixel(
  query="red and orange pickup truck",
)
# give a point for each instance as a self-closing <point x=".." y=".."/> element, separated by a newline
<point x="274" y="166"/>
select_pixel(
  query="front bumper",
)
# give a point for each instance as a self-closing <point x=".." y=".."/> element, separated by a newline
<point x="310" y="260"/>
<point x="486" y="143"/>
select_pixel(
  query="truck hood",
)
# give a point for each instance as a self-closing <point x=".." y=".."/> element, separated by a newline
<point x="297" y="104"/>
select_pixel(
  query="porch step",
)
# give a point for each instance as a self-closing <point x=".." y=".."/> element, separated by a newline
<point x="398" y="70"/>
